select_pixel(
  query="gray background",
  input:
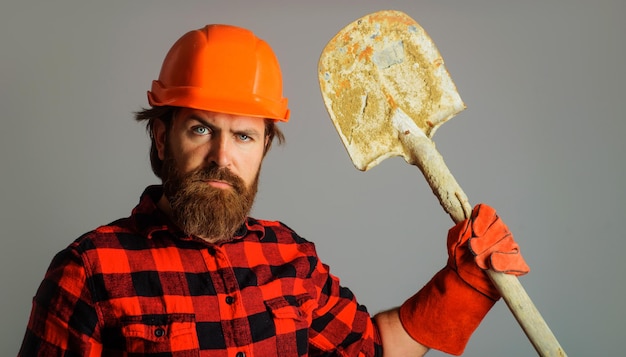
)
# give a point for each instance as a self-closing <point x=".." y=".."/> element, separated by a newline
<point x="541" y="140"/>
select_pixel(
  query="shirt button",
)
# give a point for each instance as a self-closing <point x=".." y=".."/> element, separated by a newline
<point x="240" y="354"/>
<point x="159" y="332"/>
<point x="230" y="300"/>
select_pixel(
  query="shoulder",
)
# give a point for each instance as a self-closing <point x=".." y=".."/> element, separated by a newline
<point x="93" y="251"/>
<point x="76" y="257"/>
<point x="105" y="236"/>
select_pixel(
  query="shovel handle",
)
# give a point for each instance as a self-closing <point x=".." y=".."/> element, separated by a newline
<point x="421" y="152"/>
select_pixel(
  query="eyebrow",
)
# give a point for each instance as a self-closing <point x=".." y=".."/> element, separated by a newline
<point x="248" y="132"/>
<point x="201" y="121"/>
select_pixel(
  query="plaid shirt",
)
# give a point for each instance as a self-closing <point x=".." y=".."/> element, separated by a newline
<point x="139" y="286"/>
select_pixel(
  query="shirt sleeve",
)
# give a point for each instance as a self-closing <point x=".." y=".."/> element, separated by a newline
<point x="340" y="324"/>
<point x="63" y="319"/>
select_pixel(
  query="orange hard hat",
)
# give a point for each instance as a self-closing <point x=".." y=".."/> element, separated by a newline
<point x="222" y="68"/>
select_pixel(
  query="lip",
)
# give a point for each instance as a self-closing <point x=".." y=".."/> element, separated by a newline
<point x="219" y="184"/>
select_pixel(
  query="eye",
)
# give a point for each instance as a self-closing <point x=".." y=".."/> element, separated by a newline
<point x="201" y="130"/>
<point x="243" y="137"/>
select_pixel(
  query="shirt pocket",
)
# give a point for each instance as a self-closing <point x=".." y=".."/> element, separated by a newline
<point x="291" y="316"/>
<point x="162" y="333"/>
<point x="297" y="308"/>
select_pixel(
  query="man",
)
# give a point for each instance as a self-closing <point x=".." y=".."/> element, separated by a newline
<point x="189" y="273"/>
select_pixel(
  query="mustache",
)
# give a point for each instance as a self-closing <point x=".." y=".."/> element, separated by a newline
<point x="214" y="172"/>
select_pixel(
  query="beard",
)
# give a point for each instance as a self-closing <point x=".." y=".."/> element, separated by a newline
<point x="202" y="210"/>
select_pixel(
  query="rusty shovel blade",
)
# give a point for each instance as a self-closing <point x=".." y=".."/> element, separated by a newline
<point x="375" y="66"/>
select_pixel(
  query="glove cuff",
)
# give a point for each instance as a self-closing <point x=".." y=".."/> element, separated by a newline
<point x="444" y="313"/>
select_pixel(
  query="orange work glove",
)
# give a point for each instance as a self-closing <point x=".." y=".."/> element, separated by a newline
<point x="446" y="311"/>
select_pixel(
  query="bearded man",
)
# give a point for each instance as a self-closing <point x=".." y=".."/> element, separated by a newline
<point x="210" y="181"/>
<point x="190" y="273"/>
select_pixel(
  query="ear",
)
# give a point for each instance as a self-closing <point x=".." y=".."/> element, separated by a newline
<point x="267" y="143"/>
<point x="159" y="132"/>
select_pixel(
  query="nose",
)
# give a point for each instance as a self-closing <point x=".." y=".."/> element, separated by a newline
<point x="220" y="151"/>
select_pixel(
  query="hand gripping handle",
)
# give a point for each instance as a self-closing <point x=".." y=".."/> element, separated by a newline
<point x="421" y="152"/>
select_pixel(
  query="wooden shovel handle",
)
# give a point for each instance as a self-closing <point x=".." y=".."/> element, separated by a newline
<point x="424" y="155"/>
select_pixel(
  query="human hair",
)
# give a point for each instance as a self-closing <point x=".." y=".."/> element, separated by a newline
<point x="167" y="113"/>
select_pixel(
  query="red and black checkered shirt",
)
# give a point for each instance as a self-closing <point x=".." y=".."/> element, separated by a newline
<point x="139" y="286"/>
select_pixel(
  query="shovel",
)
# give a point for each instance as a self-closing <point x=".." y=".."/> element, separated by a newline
<point x="387" y="91"/>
